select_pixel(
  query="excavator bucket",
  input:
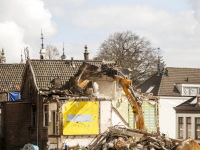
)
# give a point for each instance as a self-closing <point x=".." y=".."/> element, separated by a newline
<point x="189" y="144"/>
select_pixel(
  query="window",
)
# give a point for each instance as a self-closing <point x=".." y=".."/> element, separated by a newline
<point x="186" y="90"/>
<point x="54" y="122"/>
<point x="150" y="89"/>
<point x="45" y="115"/>
<point x="188" y="127"/>
<point x="33" y="116"/>
<point x="197" y="128"/>
<point x="180" y="127"/>
<point x="193" y="91"/>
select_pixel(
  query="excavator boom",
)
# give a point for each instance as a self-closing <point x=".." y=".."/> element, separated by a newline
<point x="134" y="102"/>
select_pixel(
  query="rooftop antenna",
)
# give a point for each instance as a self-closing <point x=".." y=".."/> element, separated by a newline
<point x="42" y="39"/>
<point x="158" y="55"/>
<point x="63" y="49"/>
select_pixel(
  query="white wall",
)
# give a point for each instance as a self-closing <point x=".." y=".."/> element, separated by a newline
<point x="105" y="115"/>
<point x="167" y="115"/>
<point x="184" y="115"/>
<point x="116" y="120"/>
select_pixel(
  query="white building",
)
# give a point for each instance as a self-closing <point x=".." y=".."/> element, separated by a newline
<point x="172" y="86"/>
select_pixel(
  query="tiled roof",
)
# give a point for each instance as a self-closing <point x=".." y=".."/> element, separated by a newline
<point x="178" y="76"/>
<point x="11" y="76"/>
<point x="165" y="84"/>
<point x="46" y="70"/>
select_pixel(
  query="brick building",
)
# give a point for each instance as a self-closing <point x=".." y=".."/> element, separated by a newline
<point x="10" y="83"/>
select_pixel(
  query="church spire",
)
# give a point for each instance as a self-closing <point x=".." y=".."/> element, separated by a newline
<point x="63" y="56"/>
<point x="42" y="51"/>
<point x="42" y="40"/>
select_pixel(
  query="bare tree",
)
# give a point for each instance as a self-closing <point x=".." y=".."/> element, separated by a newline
<point x="52" y="52"/>
<point x="130" y="51"/>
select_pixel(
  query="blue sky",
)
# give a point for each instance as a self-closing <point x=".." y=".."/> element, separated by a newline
<point x="171" y="25"/>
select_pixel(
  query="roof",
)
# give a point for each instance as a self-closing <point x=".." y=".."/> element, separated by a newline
<point x="189" y="103"/>
<point x="154" y="80"/>
<point x="190" y="106"/>
<point x="47" y="70"/>
<point x="165" y="84"/>
<point x="11" y="76"/>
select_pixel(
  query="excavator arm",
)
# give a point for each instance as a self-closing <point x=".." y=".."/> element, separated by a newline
<point x="136" y="105"/>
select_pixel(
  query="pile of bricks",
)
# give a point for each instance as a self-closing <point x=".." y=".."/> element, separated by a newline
<point x="119" y="138"/>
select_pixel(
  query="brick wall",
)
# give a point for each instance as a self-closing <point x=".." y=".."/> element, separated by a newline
<point x="17" y="123"/>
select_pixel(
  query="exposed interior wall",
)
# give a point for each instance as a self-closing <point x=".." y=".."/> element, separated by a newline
<point x="81" y="118"/>
<point x="52" y="108"/>
<point x="121" y="104"/>
<point x="78" y="133"/>
<point x="150" y="115"/>
<point x="116" y="120"/>
<point x="105" y="115"/>
<point x="167" y="115"/>
<point x="106" y="87"/>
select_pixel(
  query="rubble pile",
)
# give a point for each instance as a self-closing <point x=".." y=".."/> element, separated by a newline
<point x="118" y="138"/>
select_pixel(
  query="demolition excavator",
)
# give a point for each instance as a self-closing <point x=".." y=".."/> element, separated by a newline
<point x="87" y="70"/>
<point x="135" y="103"/>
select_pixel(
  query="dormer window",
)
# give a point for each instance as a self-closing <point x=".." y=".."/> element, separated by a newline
<point x="190" y="91"/>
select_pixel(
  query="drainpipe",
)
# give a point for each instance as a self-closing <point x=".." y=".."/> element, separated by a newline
<point x="38" y="118"/>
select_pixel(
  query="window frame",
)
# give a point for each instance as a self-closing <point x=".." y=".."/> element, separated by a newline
<point x="190" y="88"/>
<point x="188" y="123"/>
<point x="196" y="128"/>
<point x="179" y="129"/>
<point x="45" y="124"/>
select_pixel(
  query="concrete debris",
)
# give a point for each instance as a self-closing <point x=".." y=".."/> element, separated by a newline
<point x="119" y="138"/>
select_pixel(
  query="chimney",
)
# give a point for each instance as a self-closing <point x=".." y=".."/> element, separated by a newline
<point x="86" y="54"/>
<point x="160" y="69"/>
<point x="72" y="62"/>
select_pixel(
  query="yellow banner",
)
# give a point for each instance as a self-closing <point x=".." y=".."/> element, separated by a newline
<point x="81" y="118"/>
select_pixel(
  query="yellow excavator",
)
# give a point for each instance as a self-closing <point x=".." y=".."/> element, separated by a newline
<point x="136" y="104"/>
<point x="80" y="81"/>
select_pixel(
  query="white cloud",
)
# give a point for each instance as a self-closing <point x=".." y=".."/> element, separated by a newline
<point x="176" y="33"/>
<point x="59" y="7"/>
<point x="20" y="26"/>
